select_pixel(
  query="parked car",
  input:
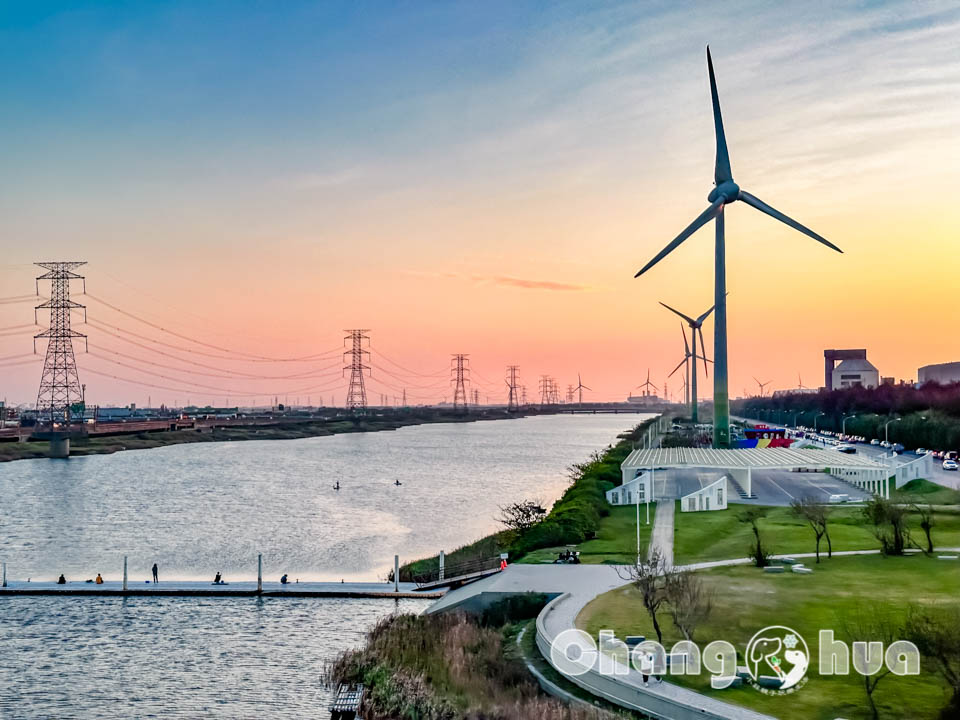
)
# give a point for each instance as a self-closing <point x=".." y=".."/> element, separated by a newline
<point x="847" y="449"/>
<point x="921" y="451"/>
<point x="841" y="498"/>
<point x="950" y="465"/>
<point x="897" y="448"/>
<point x="875" y="441"/>
<point x="884" y="443"/>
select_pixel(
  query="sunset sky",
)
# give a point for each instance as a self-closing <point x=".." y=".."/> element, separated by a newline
<point x="477" y="177"/>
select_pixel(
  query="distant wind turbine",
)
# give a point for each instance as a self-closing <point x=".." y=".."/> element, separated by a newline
<point x="580" y="388"/>
<point x="696" y="326"/>
<point x="761" y="384"/>
<point x="687" y="355"/>
<point x="726" y="191"/>
<point x="647" y="385"/>
<point x="800" y="385"/>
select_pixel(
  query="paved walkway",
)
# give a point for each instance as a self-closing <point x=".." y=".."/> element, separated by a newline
<point x="662" y="536"/>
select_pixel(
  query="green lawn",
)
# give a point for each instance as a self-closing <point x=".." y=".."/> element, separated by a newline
<point x="924" y="492"/>
<point x="720" y="535"/>
<point x="616" y="540"/>
<point x="747" y="600"/>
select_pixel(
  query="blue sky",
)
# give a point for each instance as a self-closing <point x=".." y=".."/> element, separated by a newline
<point x="310" y="149"/>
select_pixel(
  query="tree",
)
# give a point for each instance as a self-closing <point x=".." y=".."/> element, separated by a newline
<point x="926" y="524"/>
<point x="816" y="514"/>
<point x="889" y="524"/>
<point x="649" y="578"/>
<point x="689" y="601"/>
<point x="521" y="516"/>
<point x="936" y="633"/>
<point x="752" y="516"/>
<point x="862" y="624"/>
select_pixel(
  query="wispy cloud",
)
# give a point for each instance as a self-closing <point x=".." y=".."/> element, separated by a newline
<point x="536" y="284"/>
<point x="503" y="281"/>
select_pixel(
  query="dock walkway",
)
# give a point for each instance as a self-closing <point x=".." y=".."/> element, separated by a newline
<point x="200" y="588"/>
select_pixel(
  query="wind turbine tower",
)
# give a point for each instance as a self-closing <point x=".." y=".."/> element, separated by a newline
<point x="580" y="388"/>
<point x="696" y="326"/>
<point x="725" y="191"/>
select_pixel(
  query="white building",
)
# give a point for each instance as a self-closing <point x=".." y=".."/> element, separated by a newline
<point x="851" y="373"/>
<point x="711" y="497"/>
<point x="632" y="492"/>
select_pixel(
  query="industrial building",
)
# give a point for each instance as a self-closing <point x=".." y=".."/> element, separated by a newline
<point x="854" y="370"/>
<point x="941" y="372"/>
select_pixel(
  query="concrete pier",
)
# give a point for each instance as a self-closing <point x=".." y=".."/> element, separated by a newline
<point x="59" y="445"/>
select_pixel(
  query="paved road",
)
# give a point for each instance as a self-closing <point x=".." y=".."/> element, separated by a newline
<point x="662" y="535"/>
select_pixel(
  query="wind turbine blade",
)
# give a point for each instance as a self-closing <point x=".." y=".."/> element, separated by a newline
<point x="774" y="213"/>
<point x="686" y="345"/>
<point x="705" y="316"/>
<point x="721" y="171"/>
<point x="702" y="345"/>
<point x="706" y="216"/>
<point x="677" y="312"/>
<point x="682" y="362"/>
<point x="586" y="388"/>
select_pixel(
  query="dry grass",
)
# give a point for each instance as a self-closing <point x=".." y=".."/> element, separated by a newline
<point x="444" y="667"/>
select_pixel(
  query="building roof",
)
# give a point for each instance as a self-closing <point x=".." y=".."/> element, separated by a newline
<point x="855" y="365"/>
<point x="754" y="458"/>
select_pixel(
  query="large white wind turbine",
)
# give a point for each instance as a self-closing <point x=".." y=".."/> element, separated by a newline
<point x="725" y="192"/>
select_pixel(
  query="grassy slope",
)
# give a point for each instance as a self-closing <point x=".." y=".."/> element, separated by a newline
<point x="928" y="493"/>
<point x="616" y="540"/>
<point x="746" y="600"/>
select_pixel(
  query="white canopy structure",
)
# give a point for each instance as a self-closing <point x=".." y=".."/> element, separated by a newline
<point x="867" y="474"/>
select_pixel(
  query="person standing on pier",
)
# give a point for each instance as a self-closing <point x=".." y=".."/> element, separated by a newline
<point x="156" y="578"/>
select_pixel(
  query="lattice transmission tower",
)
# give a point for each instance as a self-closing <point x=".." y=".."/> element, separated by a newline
<point x="460" y="372"/>
<point x="357" y="354"/>
<point x="60" y="389"/>
<point x="512" y="380"/>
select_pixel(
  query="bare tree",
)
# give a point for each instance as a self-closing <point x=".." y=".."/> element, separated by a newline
<point x="816" y="514"/>
<point x="926" y="524"/>
<point x="862" y="624"/>
<point x="689" y="600"/>
<point x="936" y="633"/>
<point x="649" y="578"/>
<point x="889" y="524"/>
<point x="521" y="516"/>
<point x="752" y="515"/>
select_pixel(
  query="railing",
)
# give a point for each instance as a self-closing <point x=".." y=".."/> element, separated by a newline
<point x="454" y="571"/>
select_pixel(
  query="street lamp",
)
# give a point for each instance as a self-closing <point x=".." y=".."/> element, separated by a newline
<point x="815" y="420"/>
<point x="795" y="416"/>
<point x="886" y="429"/>
<point x="843" y="430"/>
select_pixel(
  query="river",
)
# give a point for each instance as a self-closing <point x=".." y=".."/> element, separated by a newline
<point x="197" y="509"/>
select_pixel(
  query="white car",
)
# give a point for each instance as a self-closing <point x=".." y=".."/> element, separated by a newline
<point x="884" y="443"/>
<point x="921" y="451"/>
<point x="950" y="465"/>
<point x="874" y="442"/>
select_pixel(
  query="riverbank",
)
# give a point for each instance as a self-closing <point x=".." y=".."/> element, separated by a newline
<point x="292" y="429"/>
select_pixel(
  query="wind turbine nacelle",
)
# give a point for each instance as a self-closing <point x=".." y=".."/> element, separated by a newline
<point x="728" y="190"/>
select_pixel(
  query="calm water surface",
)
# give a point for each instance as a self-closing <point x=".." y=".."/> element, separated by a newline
<point x="196" y="509"/>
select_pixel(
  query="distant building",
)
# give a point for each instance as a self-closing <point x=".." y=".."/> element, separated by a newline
<point x="854" y="373"/>
<point x="832" y="357"/>
<point x="888" y="381"/>
<point x="644" y="400"/>
<point x="942" y="373"/>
